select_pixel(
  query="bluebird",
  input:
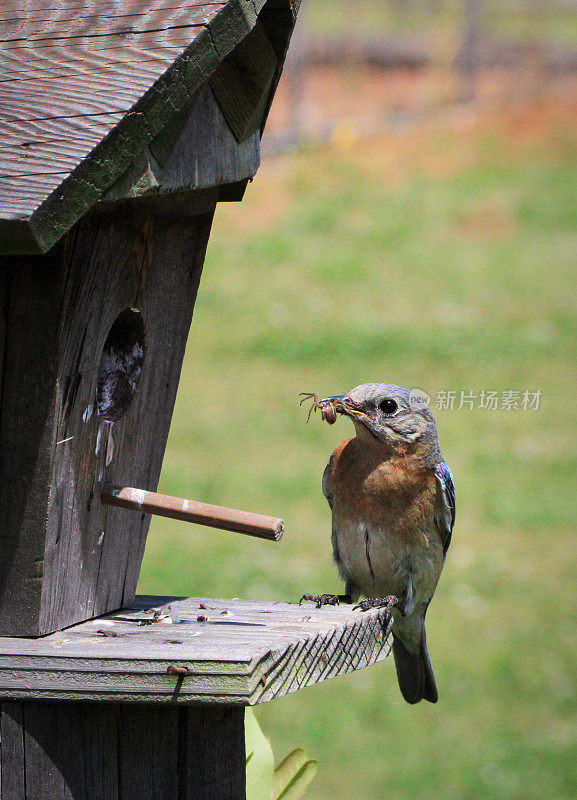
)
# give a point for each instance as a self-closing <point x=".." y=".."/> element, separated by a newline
<point x="392" y="498"/>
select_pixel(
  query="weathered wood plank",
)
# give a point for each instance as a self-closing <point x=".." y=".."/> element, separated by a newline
<point x="42" y="9"/>
<point x="240" y="653"/>
<point x="242" y="81"/>
<point x="20" y="194"/>
<point x="65" y="556"/>
<point x="148" y="752"/>
<point x="278" y="18"/>
<point x="27" y="399"/>
<point x="12" y="761"/>
<point x="40" y="158"/>
<point x="231" y="25"/>
<point x="99" y="751"/>
<point x="212" y="754"/>
<point x="79" y="129"/>
<point x="149" y="43"/>
<point x="278" y="23"/>
<point x="69" y="751"/>
<point x="83" y="61"/>
<point x="32" y="100"/>
<point x="56" y="26"/>
<point x="197" y="152"/>
<point x="93" y="93"/>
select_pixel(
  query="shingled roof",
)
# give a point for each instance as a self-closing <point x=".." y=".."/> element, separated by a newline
<point x="87" y="86"/>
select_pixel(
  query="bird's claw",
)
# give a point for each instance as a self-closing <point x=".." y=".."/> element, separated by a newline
<point x="321" y="599"/>
<point x="387" y="603"/>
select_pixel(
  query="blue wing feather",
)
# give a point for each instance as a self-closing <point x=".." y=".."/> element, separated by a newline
<point x="327" y="489"/>
<point x="445" y="507"/>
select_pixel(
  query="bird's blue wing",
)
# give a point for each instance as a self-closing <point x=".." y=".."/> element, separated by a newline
<point x="445" y="504"/>
<point x="327" y="490"/>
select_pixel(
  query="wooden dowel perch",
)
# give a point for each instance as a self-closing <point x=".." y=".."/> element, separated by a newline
<point x="163" y="505"/>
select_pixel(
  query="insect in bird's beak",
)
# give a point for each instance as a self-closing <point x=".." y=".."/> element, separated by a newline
<point x="328" y="411"/>
<point x="331" y="406"/>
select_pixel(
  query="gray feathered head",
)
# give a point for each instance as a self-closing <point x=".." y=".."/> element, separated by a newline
<point x="392" y="414"/>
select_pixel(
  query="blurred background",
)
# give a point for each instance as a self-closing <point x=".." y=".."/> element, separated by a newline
<point x="414" y="221"/>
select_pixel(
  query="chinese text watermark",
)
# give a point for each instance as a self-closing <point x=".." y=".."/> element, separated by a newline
<point x="484" y="400"/>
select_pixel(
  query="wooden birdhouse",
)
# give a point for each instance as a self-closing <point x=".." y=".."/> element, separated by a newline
<point x="123" y="124"/>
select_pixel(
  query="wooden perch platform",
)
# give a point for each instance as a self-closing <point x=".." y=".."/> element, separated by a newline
<point x="229" y="652"/>
<point x="154" y="710"/>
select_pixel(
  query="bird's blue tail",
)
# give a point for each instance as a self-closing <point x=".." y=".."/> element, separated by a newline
<point x="414" y="672"/>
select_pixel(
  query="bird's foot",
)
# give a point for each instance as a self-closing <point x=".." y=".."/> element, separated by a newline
<point x="387" y="603"/>
<point x="321" y="599"/>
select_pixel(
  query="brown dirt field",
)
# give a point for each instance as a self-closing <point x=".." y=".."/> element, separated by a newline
<point x="402" y="124"/>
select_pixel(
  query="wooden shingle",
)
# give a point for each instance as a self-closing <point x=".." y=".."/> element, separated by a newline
<point x="87" y="85"/>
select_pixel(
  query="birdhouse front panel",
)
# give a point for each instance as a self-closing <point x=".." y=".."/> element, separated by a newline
<point x="96" y="337"/>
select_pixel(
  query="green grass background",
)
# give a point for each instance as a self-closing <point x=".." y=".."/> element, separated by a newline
<point x="447" y="278"/>
<point x="440" y="22"/>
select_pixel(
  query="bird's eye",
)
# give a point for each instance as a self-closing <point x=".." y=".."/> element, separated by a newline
<point x="388" y="406"/>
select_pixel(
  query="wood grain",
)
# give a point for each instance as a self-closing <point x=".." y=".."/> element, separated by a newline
<point x="228" y="519"/>
<point x="12" y="759"/>
<point x="50" y="26"/>
<point x="239" y="653"/>
<point x="67" y="751"/>
<point x="91" y="751"/>
<point x="118" y="74"/>
<point x="212" y="754"/>
<point x="65" y="556"/>
<point x="241" y="83"/>
<point x="197" y="151"/>
<point x="24" y="100"/>
<point x="148" y="752"/>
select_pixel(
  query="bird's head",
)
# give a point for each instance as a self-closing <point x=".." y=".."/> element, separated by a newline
<point x="391" y="414"/>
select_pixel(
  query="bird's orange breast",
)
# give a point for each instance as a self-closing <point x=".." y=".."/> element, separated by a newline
<point x="392" y="493"/>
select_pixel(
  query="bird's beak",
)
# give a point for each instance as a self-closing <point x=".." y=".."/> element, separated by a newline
<point x="343" y="405"/>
